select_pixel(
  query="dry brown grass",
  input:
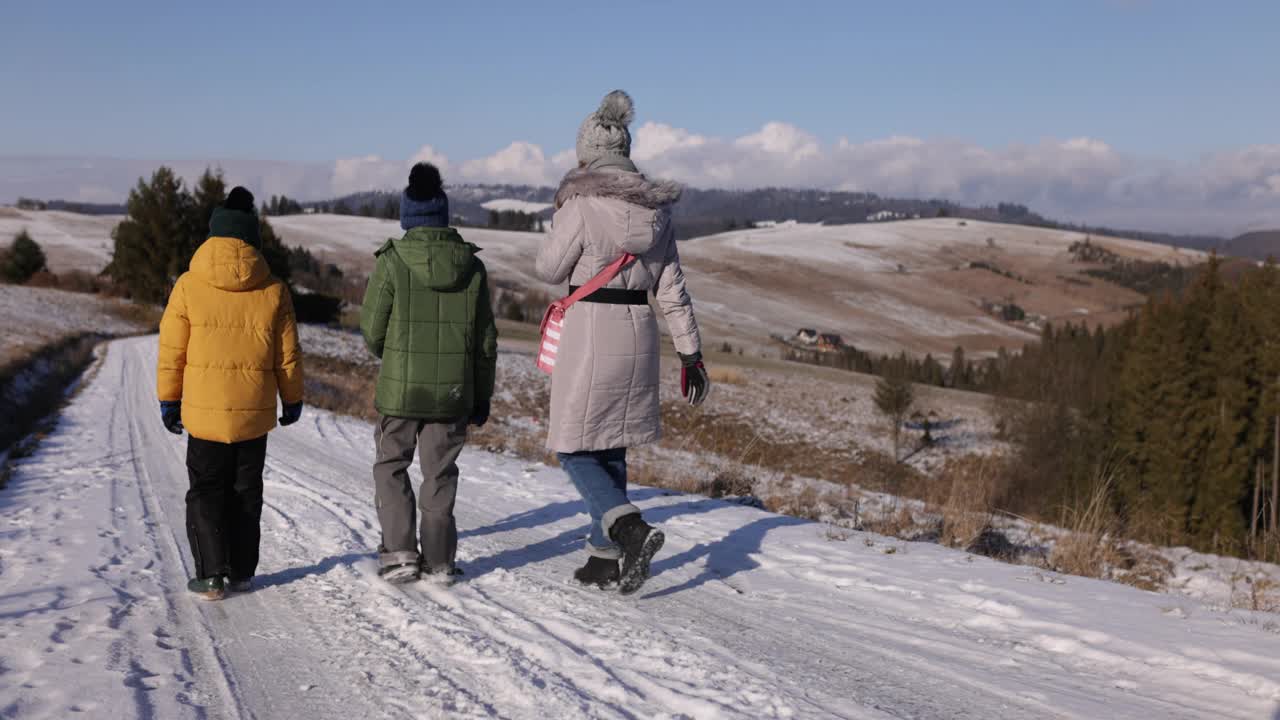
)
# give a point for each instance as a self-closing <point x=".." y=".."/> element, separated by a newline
<point x="1089" y="547"/>
<point x="731" y="483"/>
<point x="55" y="366"/>
<point x="968" y="508"/>
<point x="1260" y="594"/>
<point x="147" y="317"/>
<point x="727" y="375"/>
<point x="751" y="442"/>
<point x="340" y="386"/>
<point x="1139" y="566"/>
<point x="892" y="521"/>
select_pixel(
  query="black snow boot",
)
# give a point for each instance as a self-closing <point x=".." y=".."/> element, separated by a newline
<point x="639" y="542"/>
<point x="601" y="572"/>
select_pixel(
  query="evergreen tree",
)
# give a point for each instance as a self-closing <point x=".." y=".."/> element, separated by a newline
<point x="274" y="251"/>
<point x="165" y="226"/>
<point x="958" y="373"/>
<point x="391" y="210"/>
<point x="1233" y="363"/>
<point x="210" y="192"/>
<point x="23" y="259"/>
<point x="147" y="242"/>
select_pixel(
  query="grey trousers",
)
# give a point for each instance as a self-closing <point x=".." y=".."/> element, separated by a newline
<point x="438" y="445"/>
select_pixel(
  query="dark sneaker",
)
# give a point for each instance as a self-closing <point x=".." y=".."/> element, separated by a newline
<point x="601" y="572"/>
<point x="639" y="542"/>
<point x="207" y="588"/>
<point x="399" y="574"/>
<point x="240" y="585"/>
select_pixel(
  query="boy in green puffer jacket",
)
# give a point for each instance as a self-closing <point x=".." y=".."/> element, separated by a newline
<point x="427" y="315"/>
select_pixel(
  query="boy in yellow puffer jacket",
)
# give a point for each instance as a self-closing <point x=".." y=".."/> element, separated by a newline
<point x="228" y="347"/>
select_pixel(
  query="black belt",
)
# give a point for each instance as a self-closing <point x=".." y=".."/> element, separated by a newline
<point x="615" y="296"/>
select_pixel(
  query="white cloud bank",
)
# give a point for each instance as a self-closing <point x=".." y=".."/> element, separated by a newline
<point x="1077" y="179"/>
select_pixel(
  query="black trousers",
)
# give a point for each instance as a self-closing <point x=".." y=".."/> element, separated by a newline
<point x="224" y="505"/>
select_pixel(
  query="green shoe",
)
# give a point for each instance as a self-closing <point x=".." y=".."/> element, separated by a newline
<point x="207" y="588"/>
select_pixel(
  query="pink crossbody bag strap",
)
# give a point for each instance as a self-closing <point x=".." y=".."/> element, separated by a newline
<point x="553" y="319"/>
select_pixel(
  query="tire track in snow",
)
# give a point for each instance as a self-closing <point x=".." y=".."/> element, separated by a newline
<point x="458" y="633"/>
<point x="248" y="667"/>
<point x="790" y="633"/>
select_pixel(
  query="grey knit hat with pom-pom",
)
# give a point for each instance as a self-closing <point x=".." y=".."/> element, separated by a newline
<point x="604" y="132"/>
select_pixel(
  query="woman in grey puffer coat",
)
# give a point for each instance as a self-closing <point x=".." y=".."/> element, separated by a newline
<point x="604" y="391"/>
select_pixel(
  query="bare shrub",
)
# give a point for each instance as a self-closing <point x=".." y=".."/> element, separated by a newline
<point x="1140" y="567"/>
<point x="729" y="483"/>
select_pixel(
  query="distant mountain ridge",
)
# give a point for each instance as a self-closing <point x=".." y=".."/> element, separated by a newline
<point x="703" y="212"/>
<point x="1258" y="245"/>
<point x="707" y="212"/>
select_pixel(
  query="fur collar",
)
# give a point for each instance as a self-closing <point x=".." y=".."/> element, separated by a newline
<point x="629" y="187"/>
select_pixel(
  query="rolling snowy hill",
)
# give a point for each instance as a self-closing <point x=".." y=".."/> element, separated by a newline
<point x="748" y="615"/>
<point x="71" y="241"/>
<point x="886" y="287"/>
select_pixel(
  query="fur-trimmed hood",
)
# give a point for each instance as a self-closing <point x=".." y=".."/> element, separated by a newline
<point x="626" y="186"/>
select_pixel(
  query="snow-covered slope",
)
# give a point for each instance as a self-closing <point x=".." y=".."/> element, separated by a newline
<point x="524" y="206"/>
<point x="350" y="242"/>
<point x="71" y="241"/>
<point x="914" y="285"/>
<point x="749" y="614"/>
<point x="32" y="317"/>
<point x="886" y="287"/>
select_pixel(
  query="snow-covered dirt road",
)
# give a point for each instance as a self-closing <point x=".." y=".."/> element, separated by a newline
<point x="749" y="614"/>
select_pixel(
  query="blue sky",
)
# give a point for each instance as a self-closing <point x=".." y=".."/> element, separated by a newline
<point x="293" y="81"/>
<point x="1093" y="109"/>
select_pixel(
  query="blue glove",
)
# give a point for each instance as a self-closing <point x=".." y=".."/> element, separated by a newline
<point x="481" y="414"/>
<point x="292" y="411"/>
<point x="171" y="416"/>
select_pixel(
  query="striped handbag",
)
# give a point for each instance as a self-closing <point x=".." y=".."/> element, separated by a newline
<point x="553" y="319"/>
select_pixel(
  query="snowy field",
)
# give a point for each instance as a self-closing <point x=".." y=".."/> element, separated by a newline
<point x="829" y="421"/>
<point x="33" y="317"/>
<point x="350" y="241"/>
<point x="902" y="285"/>
<point x="70" y="240"/>
<point x="748" y="615"/>
<point x="524" y="206"/>
<point x="884" y="287"/>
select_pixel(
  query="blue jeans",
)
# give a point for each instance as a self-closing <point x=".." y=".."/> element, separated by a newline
<point x="601" y="479"/>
